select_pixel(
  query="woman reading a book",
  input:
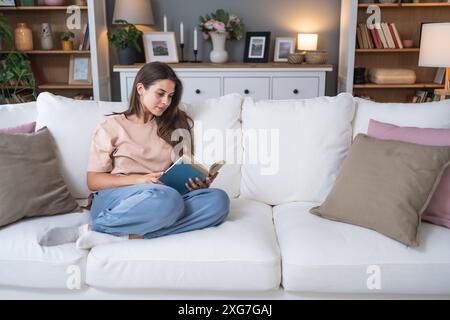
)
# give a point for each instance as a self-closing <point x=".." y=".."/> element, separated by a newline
<point x="129" y="152"/>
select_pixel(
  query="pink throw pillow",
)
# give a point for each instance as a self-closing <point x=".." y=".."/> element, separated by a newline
<point x="24" y="128"/>
<point x="438" y="211"/>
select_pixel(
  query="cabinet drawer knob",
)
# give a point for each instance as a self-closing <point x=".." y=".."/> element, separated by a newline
<point x="246" y="91"/>
<point x="295" y="91"/>
<point x="197" y="91"/>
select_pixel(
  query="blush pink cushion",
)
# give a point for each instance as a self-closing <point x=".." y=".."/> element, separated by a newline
<point x="438" y="211"/>
<point x="24" y="128"/>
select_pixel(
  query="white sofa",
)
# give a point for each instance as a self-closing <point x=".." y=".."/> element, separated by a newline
<point x="270" y="246"/>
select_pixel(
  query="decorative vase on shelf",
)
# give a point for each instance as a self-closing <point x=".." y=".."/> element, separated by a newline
<point x="23" y="37"/>
<point x="218" y="54"/>
<point x="46" y="37"/>
<point x="54" y="2"/>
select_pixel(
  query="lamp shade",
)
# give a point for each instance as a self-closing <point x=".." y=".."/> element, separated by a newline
<point x="307" y="42"/>
<point x="435" y="45"/>
<point x="135" y="12"/>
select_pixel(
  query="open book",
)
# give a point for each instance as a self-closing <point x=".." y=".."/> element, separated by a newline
<point x="184" y="168"/>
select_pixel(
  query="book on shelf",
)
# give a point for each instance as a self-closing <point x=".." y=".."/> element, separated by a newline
<point x="185" y="168"/>
<point x="440" y="76"/>
<point x="394" y="38"/>
<point x="388" y="36"/>
<point x="397" y="35"/>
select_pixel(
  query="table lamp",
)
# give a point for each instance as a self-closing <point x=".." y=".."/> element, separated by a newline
<point x="307" y="42"/>
<point x="435" y="48"/>
<point x="139" y="13"/>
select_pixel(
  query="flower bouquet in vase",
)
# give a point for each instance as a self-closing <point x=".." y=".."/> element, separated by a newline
<point x="220" y="26"/>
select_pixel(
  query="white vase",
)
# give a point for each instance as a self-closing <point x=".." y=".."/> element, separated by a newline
<point x="218" y="54"/>
<point x="46" y="37"/>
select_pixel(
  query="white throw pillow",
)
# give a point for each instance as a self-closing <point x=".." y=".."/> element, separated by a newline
<point x="422" y="115"/>
<point x="294" y="149"/>
<point x="218" y="136"/>
<point x="72" y="123"/>
<point x="12" y="115"/>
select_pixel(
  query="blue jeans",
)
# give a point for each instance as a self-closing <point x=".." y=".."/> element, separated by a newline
<point x="153" y="210"/>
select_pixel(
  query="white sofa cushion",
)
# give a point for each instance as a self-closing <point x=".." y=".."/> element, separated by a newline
<point x="12" y="115"/>
<point x="314" y="138"/>
<point x="240" y="254"/>
<point x="217" y="136"/>
<point x="422" y="115"/>
<point x="72" y="123"/>
<point x="319" y="255"/>
<point x="24" y="263"/>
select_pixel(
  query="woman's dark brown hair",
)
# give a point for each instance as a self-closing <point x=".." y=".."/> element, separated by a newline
<point x="173" y="118"/>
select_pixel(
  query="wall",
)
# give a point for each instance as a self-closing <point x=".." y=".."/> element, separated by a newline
<point x="284" y="18"/>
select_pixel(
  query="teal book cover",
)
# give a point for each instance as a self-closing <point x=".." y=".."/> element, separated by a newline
<point x="183" y="170"/>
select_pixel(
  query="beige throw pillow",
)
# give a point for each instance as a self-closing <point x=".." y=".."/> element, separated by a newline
<point x="385" y="185"/>
<point x="31" y="182"/>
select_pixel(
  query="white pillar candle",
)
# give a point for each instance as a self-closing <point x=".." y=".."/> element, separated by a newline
<point x="195" y="38"/>
<point x="165" y="23"/>
<point x="181" y="33"/>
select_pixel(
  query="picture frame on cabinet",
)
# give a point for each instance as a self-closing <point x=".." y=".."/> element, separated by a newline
<point x="283" y="47"/>
<point x="160" y="46"/>
<point x="257" y="46"/>
<point x="7" y="3"/>
<point x="80" y="70"/>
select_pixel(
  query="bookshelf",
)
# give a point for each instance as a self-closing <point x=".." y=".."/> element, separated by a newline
<point x="51" y="67"/>
<point x="408" y="18"/>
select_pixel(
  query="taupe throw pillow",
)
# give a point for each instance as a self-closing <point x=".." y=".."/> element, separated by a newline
<point x="385" y="185"/>
<point x="30" y="181"/>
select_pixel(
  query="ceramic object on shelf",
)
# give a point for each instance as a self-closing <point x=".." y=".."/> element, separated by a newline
<point x="408" y="43"/>
<point x="23" y="37"/>
<point x="218" y="54"/>
<point x="46" y="37"/>
<point x="55" y="2"/>
<point x="392" y="76"/>
<point x="67" y="45"/>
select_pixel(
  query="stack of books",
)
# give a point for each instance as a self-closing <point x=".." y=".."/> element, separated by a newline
<point x="421" y="96"/>
<point x="85" y="43"/>
<point x="385" y="37"/>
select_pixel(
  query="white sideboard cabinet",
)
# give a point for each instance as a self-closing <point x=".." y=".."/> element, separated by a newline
<point x="276" y="81"/>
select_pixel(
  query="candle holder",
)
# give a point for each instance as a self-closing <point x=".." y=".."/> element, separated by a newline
<point x="182" y="53"/>
<point x="195" y="57"/>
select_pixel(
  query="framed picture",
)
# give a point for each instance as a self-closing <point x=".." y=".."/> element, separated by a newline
<point x="160" y="46"/>
<point x="7" y="3"/>
<point x="80" y="70"/>
<point x="257" y="46"/>
<point x="283" y="47"/>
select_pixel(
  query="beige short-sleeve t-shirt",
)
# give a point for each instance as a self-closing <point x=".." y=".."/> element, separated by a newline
<point x="121" y="147"/>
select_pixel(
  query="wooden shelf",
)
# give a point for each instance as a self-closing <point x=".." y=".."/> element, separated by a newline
<point x="51" y="52"/>
<point x="406" y="50"/>
<point x="381" y="5"/>
<point x="55" y="86"/>
<point x="399" y="86"/>
<point x="39" y="8"/>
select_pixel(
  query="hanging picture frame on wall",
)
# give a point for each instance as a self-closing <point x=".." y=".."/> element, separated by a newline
<point x="283" y="47"/>
<point x="257" y="46"/>
<point x="160" y="46"/>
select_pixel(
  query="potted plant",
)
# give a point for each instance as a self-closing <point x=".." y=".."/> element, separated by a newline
<point x="16" y="79"/>
<point x="66" y="40"/>
<point x="5" y="32"/>
<point x="125" y="40"/>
